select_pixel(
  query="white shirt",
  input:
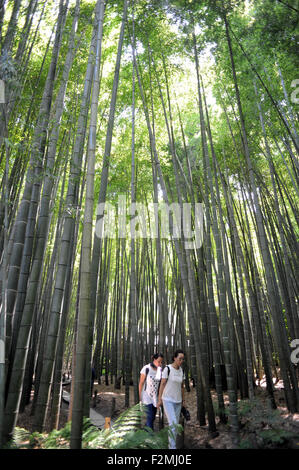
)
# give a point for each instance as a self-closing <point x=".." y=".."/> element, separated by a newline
<point x="149" y="394"/>
<point x="173" y="388"/>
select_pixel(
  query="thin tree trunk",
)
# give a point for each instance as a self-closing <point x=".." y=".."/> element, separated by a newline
<point x="98" y="234"/>
<point x="15" y="385"/>
<point x="84" y="295"/>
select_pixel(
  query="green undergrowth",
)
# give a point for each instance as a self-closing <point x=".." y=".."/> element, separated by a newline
<point x="271" y="439"/>
<point x="126" y="433"/>
<point x="263" y="427"/>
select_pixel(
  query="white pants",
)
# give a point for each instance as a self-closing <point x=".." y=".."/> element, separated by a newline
<point x="172" y="411"/>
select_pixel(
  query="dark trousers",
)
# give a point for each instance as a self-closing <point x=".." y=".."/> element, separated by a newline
<point x="150" y="415"/>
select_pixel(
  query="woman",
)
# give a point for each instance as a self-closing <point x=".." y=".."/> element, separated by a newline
<point x="172" y="393"/>
<point x="150" y="377"/>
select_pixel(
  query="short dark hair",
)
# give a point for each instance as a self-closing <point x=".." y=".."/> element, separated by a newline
<point x="157" y="355"/>
<point x="177" y="352"/>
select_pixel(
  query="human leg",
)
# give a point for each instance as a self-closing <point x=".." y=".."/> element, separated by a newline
<point x="178" y="407"/>
<point x="172" y="411"/>
<point x="150" y="415"/>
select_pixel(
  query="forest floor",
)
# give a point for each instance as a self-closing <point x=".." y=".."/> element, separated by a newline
<point x="260" y="426"/>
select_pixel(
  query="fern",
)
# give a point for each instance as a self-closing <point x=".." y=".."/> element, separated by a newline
<point x="23" y="439"/>
<point x="126" y="433"/>
<point x="245" y="444"/>
<point x="20" y="438"/>
<point x="20" y="435"/>
<point x="276" y="436"/>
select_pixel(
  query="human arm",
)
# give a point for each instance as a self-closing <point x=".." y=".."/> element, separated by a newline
<point x="161" y="390"/>
<point x="141" y="383"/>
<point x="183" y="394"/>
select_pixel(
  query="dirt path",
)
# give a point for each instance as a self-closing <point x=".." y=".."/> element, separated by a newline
<point x="260" y="427"/>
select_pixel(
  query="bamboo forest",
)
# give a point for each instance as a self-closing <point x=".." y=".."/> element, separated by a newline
<point x="149" y="211"/>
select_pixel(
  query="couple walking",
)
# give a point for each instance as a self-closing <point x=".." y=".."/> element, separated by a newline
<point x="157" y="387"/>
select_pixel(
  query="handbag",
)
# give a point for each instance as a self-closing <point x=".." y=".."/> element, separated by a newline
<point x="185" y="413"/>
